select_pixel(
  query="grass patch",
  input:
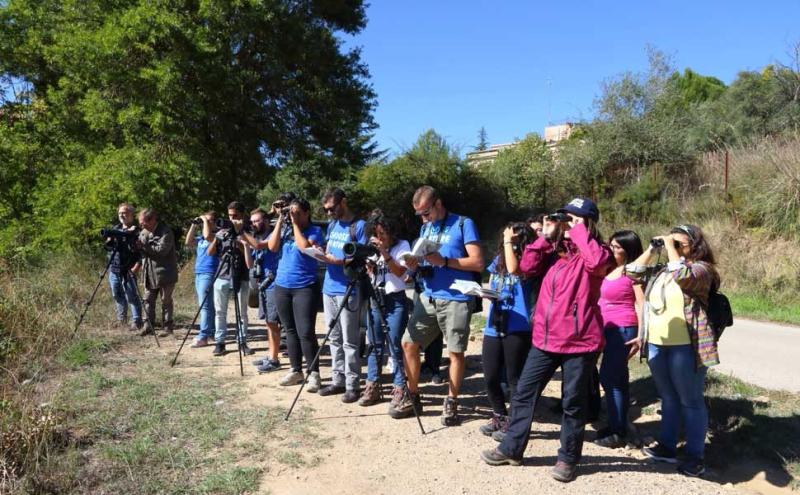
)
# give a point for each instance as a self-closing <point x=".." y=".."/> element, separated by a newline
<point x="82" y="351"/>
<point x="764" y="308"/>
<point x="232" y="481"/>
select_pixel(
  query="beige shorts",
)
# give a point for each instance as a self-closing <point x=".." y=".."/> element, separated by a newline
<point x="429" y="319"/>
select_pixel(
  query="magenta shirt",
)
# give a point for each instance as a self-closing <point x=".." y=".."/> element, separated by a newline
<point x="618" y="302"/>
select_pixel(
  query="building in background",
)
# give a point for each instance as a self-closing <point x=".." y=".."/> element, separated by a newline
<point x="552" y="135"/>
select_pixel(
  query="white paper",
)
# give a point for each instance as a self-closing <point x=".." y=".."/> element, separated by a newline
<point x="422" y="247"/>
<point x="314" y="252"/>
<point x="472" y="288"/>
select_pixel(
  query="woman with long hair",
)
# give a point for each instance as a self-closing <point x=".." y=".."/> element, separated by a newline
<point x="679" y="344"/>
<point x="296" y="290"/>
<point x="620" y="304"/>
<point x="507" y="334"/>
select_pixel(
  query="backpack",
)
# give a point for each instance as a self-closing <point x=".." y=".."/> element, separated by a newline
<point x="720" y="315"/>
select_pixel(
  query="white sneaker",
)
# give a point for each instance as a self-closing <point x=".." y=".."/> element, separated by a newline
<point x="291" y="378"/>
<point x="314" y="383"/>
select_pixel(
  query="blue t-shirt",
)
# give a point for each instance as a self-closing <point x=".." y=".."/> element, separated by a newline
<point x="297" y="270"/>
<point x="204" y="262"/>
<point x="453" y="238"/>
<point x="268" y="261"/>
<point x="515" y="299"/>
<point x="339" y="235"/>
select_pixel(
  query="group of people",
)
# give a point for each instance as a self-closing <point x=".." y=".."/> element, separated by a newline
<point x="560" y="297"/>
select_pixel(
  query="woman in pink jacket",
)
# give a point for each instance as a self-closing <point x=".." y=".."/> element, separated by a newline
<point x="567" y="332"/>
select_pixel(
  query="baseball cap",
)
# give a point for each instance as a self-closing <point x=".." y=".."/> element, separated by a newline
<point x="582" y="207"/>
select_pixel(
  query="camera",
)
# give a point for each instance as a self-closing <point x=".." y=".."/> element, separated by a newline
<point x="269" y="277"/>
<point x="227" y="224"/>
<point x="359" y="251"/>
<point x="425" y="271"/>
<point x="119" y="234"/>
<point x="558" y="217"/>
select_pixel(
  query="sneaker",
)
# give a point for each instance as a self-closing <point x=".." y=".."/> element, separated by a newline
<point x="350" y="396"/>
<point x="692" y="467"/>
<point x="247" y="351"/>
<point x="612" y="441"/>
<point x="494" y="457"/>
<point x="437" y="379"/>
<point x="268" y="366"/>
<point x="563" y="471"/>
<point x="219" y="349"/>
<point x="260" y="361"/>
<point x="409" y="401"/>
<point x="371" y="394"/>
<point x="201" y="342"/>
<point x="660" y="453"/>
<point x="166" y="332"/>
<point x="450" y="411"/>
<point x="314" y="383"/>
<point x="291" y="378"/>
<point x="331" y="390"/>
<point x="495" y="424"/>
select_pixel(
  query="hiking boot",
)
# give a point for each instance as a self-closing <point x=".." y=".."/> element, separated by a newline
<point x="219" y="349"/>
<point x="497" y="423"/>
<point x="314" y="383"/>
<point x="331" y="390"/>
<point x="397" y="397"/>
<point x="135" y="326"/>
<point x="563" y="471"/>
<point x="612" y="441"/>
<point x="437" y="379"/>
<point x="603" y="432"/>
<point x="692" y="467"/>
<point x="291" y="378"/>
<point x="351" y="396"/>
<point x="268" y="366"/>
<point x="499" y="435"/>
<point x="201" y="342"/>
<point x="450" y="412"/>
<point x="146" y="330"/>
<point x="409" y="401"/>
<point x="371" y="394"/>
<point x="165" y="332"/>
<point x="494" y="457"/>
<point x="246" y="351"/>
<point x="660" y="453"/>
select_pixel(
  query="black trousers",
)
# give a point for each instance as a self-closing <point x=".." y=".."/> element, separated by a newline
<point x="539" y="369"/>
<point x="507" y="353"/>
<point x="297" y="312"/>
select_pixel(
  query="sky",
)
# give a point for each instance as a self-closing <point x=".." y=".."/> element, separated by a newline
<point x="515" y="66"/>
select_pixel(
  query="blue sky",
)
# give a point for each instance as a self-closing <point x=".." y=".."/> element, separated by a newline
<point x="455" y="66"/>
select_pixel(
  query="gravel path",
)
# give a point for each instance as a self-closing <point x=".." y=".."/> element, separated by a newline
<point x="368" y="452"/>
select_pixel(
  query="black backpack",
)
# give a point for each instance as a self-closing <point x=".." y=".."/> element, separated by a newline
<point x="720" y="315"/>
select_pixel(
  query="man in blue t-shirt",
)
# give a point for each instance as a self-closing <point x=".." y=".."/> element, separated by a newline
<point x="345" y="336"/>
<point x="205" y="267"/>
<point x="440" y="309"/>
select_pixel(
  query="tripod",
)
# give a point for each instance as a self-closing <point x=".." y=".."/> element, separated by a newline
<point x="376" y="296"/>
<point x="114" y="251"/>
<point x="236" y="282"/>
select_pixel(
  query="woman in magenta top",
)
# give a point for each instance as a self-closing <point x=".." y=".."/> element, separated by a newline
<point x="620" y="305"/>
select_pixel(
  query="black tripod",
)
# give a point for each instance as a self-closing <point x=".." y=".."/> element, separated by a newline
<point x="227" y="260"/>
<point x="376" y="297"/>
<point x="114" y="251"/>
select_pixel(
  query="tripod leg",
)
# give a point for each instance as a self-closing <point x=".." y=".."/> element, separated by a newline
<point x="240" y="337"/>
<point x="331" y="326"/>
<point x="147" y="321"/>
<point x="94" y="292"/>
<point x="197" y="313"/>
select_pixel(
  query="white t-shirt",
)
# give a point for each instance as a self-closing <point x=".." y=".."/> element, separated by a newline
<point x="393" y="282"/>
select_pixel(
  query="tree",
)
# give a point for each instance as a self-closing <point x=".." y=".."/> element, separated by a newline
<point x="483" y="140"/>
<point x="181" y="103"/>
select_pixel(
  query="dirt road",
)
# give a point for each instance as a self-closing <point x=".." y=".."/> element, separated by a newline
<point x="363" y="450"/>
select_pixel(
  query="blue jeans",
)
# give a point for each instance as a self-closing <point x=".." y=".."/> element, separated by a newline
<point x="125" y="293"/>
<point x="396" y="319"/>
<point x="614" y="377"/>
<point x="202" y="283"/>
<point x="681" y="386"/>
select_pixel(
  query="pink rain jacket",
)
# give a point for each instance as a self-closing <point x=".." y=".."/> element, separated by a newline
<point x="567" y="318"/>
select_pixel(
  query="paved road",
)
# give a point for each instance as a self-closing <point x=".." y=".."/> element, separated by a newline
<point x="765" y="354"/>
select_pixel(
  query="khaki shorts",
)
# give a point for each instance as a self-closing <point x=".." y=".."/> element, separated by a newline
<point x="441" y="316"/>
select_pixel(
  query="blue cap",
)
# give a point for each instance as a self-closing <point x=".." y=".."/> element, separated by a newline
<point x="582" y="207"/>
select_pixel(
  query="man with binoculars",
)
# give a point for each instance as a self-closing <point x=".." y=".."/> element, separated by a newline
<point x="440" y="309"/>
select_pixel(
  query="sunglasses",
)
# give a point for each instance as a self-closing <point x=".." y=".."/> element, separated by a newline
<point x="332" y="208"/>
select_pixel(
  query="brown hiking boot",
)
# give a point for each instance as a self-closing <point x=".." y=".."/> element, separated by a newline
<point x="498" y="422"/>
<point x="450" y="412"/>
<point x="397" y="396"/>
<point x="405" y="408"/>
<point x="563" y="471"/>
<point x="371" y="394"/>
